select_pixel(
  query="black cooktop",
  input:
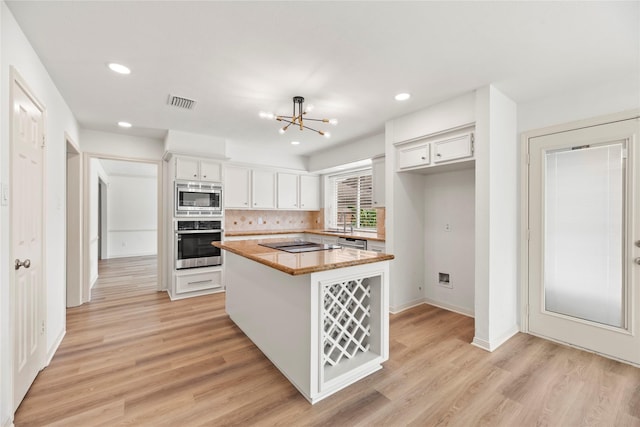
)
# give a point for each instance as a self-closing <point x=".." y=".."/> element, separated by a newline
<point x="296" y="246"/>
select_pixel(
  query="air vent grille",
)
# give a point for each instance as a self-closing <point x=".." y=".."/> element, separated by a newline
<point x="180" y="102"/>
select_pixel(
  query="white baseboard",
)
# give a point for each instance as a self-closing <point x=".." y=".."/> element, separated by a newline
<point x="405" y="306"/>
<point x="55" y="346"/>
<point x="494" y="344"/>
<point x="93" y="281"/>
<point x="450" y="307"/>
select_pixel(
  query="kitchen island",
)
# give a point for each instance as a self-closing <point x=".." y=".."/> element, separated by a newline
<point x="321" y="317"/>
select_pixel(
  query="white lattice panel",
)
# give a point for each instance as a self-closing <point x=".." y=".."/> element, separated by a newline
<point x="346" y="320"/>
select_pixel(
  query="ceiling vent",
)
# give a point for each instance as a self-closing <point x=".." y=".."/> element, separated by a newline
<point x="180" y="102"/>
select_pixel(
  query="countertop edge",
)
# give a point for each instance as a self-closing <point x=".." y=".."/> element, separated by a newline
<point x="303" y="270"/>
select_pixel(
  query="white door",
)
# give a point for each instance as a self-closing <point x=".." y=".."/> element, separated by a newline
<point x="584" y="219"/>
<point x="26" y="239"/>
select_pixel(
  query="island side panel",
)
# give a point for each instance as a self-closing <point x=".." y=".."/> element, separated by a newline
<point x="274" y="310"/>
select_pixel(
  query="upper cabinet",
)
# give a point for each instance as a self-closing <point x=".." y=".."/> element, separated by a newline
<point x="298" y="191"/>
<point x="237" y="187"/>
<point x="377" y="177"/>
<point x="249" y="188"/>
<point x="309" y="192"/>
<point x="198" y="170"/>
<point x="263" y="186"/>
<point x="287" y="191"/>
<point x="459" y="147"/>
<point x="433" y="151"/>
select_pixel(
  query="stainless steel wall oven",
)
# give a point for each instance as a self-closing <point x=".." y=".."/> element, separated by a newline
<point x="193" y="240"/>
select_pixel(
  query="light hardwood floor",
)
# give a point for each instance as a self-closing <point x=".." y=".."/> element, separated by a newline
<point x="132" y="357"/>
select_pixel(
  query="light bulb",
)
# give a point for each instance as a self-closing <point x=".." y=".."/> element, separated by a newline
<point x="119" y="68"/>
<point x="326" y="134"/>
<point x="281" y="131"/>
<point x="333" y="121"/>
<point x="266" y="115"/>
<point x="309" y="108"/>
<point x="124" y="124"/>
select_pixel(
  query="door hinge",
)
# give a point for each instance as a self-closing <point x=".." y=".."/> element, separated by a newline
<point x="473" y="144"/>
<point x="42" y="327"/>
<point x="624" y="153"/>
<point x="43" y="141"/>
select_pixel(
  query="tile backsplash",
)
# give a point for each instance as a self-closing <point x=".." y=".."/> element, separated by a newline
<point x="256" y="220"/>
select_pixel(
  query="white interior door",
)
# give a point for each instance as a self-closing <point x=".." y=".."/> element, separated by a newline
<point x="26" y="239"/>
<point x="584" y="219"/>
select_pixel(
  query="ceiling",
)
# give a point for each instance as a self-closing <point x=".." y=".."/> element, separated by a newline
<point x="348" y="59"/>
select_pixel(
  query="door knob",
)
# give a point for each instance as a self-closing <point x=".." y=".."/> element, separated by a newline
<point x="637" y="260"/>
<point x="26" y="263"/>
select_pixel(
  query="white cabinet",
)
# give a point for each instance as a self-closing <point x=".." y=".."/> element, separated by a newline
<point x="430" y="154"/>
<point x="287" y="191"/>
<point x="237" y="187"/>
<point x="198" y="281"/>
<point x="447" y="150"/>
<point x="375" y="245"/>
<point x="298" y="191"/>
<point x="309" y="192"/>
<point x="417" y="155"/>
<point x="263" y="189"/>
<point x="377" y="176"/>
<point x="200" y="170"/>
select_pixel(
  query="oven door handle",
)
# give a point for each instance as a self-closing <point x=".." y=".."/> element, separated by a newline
<point x="198" y="231"/>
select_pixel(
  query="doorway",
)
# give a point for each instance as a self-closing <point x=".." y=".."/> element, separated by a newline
<point x="123" y="213"/>
<point x="584" y="226"/>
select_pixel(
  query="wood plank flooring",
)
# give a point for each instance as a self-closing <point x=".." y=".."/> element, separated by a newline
<point x="132" y="357"/>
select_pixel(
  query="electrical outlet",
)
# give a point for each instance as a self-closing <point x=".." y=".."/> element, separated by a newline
<point x="447" y="227"/>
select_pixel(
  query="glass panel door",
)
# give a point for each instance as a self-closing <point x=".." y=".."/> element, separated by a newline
<point x="584" y="233"/>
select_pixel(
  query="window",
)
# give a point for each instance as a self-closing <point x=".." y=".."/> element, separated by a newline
<point x="351" y="201"/>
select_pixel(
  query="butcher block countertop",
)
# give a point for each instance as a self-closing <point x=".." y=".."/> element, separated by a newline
<point x="301" y="263"/>
<point x="366" y="235"/>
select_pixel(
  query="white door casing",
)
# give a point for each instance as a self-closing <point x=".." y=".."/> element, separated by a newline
<point x="618" y="143"/>
<point x="27" y="237"/>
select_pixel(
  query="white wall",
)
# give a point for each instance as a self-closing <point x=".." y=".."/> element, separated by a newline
<point x="116" y="145"/>
<point x="195" y="145"/>
<point x="132" y="216"/>
<point x="16" y="51"/>
<point x="449" y="198"/>
<point x="496" y="213"/>
<point x="609" y="97"/>
<point x="96" y="173"/>
<point x="366" y="148"/>
<point x="239" y="153"/>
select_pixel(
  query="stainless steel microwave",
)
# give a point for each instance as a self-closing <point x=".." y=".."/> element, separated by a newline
<point x="198" y="198"/>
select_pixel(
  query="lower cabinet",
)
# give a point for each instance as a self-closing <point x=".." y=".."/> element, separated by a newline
<point x="199" y="281"/>
<point x="376" y="246"/>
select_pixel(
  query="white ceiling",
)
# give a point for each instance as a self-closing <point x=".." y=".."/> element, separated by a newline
<point x="349" y="59"/>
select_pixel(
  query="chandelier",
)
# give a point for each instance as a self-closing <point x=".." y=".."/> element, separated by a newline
<point x="297" y="119"/>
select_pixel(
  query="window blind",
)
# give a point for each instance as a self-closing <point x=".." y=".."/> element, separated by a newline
<point x="353" y="200"/>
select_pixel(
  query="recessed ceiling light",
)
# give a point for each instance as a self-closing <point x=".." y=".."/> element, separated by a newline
<point x="403" y="96"/>
<point x="295" y="142"/>
<point x="124" y="124"/>
<point x="119" y="68"/>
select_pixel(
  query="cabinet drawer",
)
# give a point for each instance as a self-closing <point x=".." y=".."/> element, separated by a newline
<point x="198" y="282"/>
<point x="375" y="246"/>
<point x="453" y="149"/>
<point x="414" y="156"/>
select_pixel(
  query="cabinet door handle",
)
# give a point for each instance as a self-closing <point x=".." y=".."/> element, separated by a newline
<point x="204" y="176"/>
<point x="423" y="158"/>
<point x="439" y="155"/>
<point x="195" y="175"/>
<point x="198" y="282"/>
